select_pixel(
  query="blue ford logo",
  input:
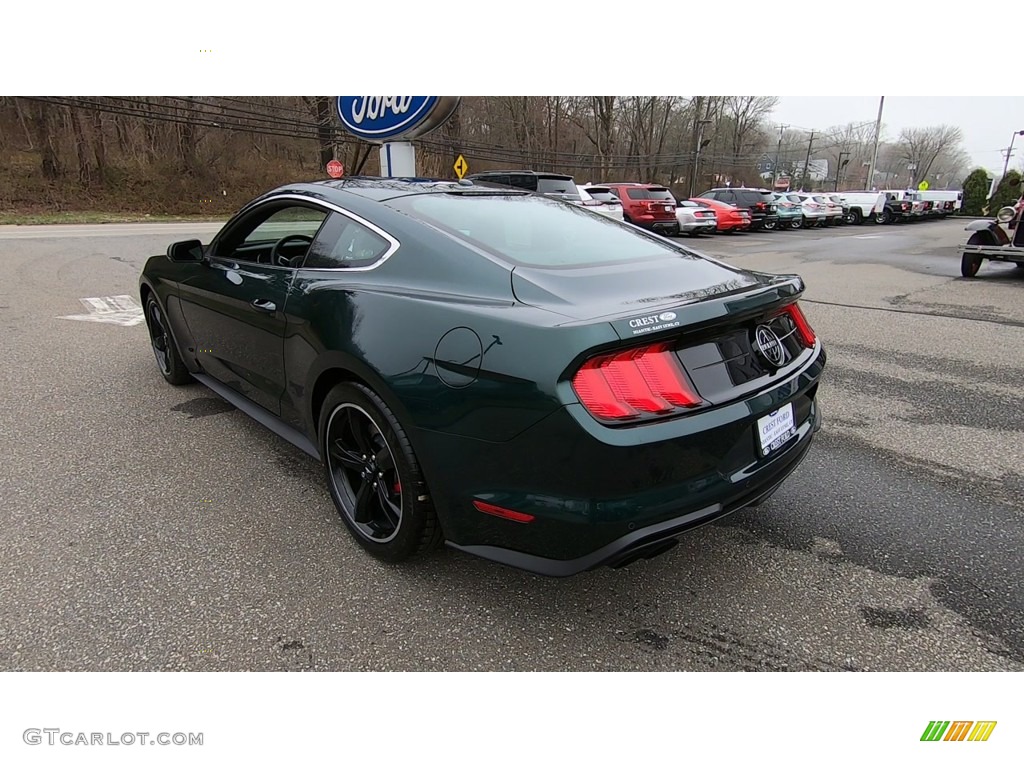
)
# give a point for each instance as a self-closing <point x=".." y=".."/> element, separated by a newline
<point x="383" y="118"/>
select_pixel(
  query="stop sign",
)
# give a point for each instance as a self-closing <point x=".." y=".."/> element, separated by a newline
<point x="335" y="169"/>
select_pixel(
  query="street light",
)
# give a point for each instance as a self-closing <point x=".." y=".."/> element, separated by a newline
<point x="1010" y="150"/>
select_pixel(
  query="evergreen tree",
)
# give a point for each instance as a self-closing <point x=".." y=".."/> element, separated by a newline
<point x="1007" y="193"/>
<point x="975" y="188"/>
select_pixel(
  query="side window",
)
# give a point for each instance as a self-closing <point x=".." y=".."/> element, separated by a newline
<point x="277" y="234"/>
<point x="495" y="178"/>
<point x="522" y="181"/>
<point x="345" y="243"/>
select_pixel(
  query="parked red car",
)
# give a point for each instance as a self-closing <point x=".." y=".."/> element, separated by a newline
<point x="647" y="205"/>
<point x="730" y="218"/>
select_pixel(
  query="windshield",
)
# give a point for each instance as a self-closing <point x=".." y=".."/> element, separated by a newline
<point x="535" y="231"/>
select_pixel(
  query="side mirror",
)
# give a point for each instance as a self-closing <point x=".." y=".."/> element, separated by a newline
<point x="186" y="250"/>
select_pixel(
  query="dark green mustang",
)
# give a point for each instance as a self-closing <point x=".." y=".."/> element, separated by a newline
<point x="516" y="376"/>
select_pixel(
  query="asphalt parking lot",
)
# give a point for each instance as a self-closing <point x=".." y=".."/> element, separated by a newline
<point x="153" y="528"/>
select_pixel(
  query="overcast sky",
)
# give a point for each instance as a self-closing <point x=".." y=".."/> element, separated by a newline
<point x="987" y="122"/>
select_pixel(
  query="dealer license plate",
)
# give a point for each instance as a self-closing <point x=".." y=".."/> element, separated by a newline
<point x="775" y="429"/>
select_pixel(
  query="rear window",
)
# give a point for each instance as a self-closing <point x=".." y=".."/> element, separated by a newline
<point x="819" y="198"/>
<point x="649" y="193"/>
<point x="748" y="196"/>
<point x="794" y="198"/>
<point x="603" y="194"/>
<point x="563" y="186"/>
<point x="535" y="231"/>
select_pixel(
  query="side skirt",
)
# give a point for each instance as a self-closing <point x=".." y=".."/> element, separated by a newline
<point x="261" y="415"/>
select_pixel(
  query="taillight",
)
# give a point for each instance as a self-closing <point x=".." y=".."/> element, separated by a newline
<point x="635" y="383"/>
<point x="803" y="328"/>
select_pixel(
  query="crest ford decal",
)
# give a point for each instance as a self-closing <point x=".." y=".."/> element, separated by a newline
<point x="385" y="118"/>
<point x="652" y="323"/>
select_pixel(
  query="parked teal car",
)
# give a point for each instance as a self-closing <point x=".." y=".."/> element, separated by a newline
<point x="790" y="213"/>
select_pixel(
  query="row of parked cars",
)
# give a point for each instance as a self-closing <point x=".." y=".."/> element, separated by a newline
<point x="723" y="209"/>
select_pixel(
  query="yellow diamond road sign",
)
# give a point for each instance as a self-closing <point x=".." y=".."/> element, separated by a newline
<point x="923" y="186"/>
<point x="461" y="166"/>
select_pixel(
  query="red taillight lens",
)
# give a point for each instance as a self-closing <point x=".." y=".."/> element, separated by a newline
<point x="628" y="385"/>
<point x="507" y="514"/>
<point x="803" y="329"/>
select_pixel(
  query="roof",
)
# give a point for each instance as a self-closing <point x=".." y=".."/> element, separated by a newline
<point x="379" y="189"/>
<point x="631" y="184"/>
<point x="522" y="173"/>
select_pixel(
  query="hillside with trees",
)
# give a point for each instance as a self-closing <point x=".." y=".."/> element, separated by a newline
<point x="198" y="155"/>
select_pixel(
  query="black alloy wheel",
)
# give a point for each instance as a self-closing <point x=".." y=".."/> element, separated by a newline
<point x="164" y="349"/>
<point x="373" y="476"/>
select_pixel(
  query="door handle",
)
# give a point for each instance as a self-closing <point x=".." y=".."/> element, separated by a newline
<point x="264" y="306"/>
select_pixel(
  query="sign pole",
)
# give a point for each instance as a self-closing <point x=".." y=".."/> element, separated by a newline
<point x="397" y="159"/>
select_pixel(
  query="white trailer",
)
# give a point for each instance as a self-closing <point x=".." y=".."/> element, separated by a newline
<point x="946" y="201"/>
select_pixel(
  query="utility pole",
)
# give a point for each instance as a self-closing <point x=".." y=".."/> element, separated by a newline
<point x="778" y="152"/>
<point x="696" y="155"/>
<point x="807" y="161"/>
<point x="1009" y="151"/>
<point x="839" y="168"/>
<point x="874" y="152"/>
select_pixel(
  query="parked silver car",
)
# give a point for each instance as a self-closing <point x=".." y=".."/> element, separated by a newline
<point x="696" y="219"/>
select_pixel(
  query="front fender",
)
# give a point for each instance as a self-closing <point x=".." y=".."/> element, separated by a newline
<point x="996" y="234"/>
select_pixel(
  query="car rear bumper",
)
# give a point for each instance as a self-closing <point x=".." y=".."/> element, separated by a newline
<point x="656" y="539"/>
<point x="708" y="225"/>
<point x="601" y="495"/>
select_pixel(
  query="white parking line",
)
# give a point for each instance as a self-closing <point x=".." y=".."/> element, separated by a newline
<point x="119" y="310"/>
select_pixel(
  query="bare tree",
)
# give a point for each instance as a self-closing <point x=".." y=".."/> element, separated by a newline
<point x="922" y="146"/>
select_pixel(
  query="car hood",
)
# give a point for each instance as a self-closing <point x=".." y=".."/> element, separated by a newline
<point x="626" y="290"/>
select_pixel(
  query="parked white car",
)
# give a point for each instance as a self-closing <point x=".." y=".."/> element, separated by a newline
<point x="600" y="200"/>
<point x="862" y="206"/>
<point x="833" y="209"/>
<point x="815" y="213"/>
<point x="696" y="219"/>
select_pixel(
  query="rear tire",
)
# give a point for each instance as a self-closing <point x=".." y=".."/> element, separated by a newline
<point x="770" y="225"/>
<point x="883" y="217"/>
<point x="374" y="477"/>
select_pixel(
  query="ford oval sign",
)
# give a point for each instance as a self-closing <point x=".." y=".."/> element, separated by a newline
<point x="393" y="118"/>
